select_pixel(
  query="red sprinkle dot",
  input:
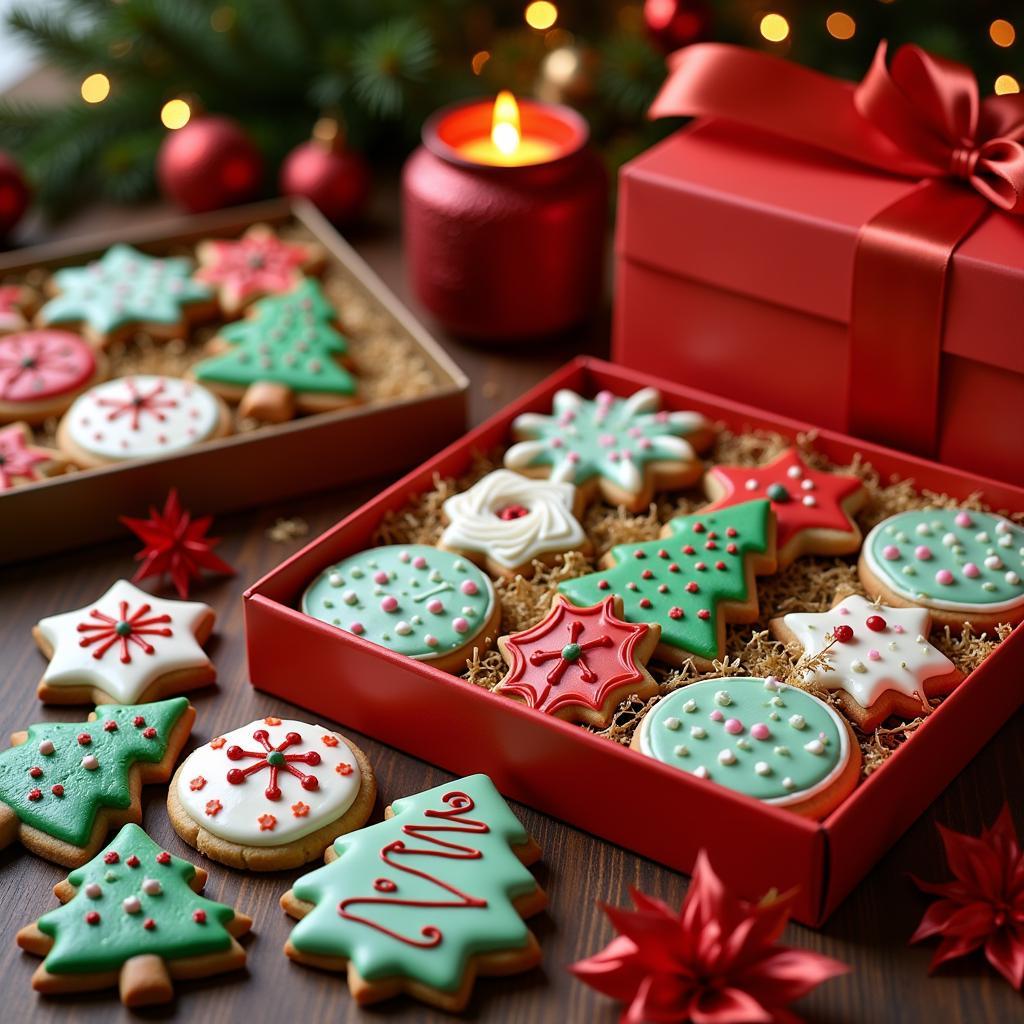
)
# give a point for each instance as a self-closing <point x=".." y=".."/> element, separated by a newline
<point x="698" y="527"/>
<point x="711" y="546"/>
<point x="692" y="587"/>
<point x="110" y="726"/>
<point x="844" y="634"/>
<point x="647" y="575"/>
<point x="731" y="548"/>
<point x="720" y="565"/>
<point x="645" y="602"/>
<point x="639" y="554"/>
<point x="149" y="924"/>
<point x="700" y="566"/>
<point x="84" y="738"/>
<point x="138" y="721"/>
<point x="92" y="917"/>
<point x="662" y="553"/>
<point x="35" y="771"/>
<point x="875" y="623"/>
<point x="35" y="794"/>
<point x="132" y="861"/>
<point x="111" y="858"/>
<point x="199" y="916"/>
<point x="731" y="532"/>
<point x="57" y="790"/>
<point x="149" y="733"/>
<point x="674" y="567"/>
<point x="704" y="614"/>
<point x="603" y="584"/>
<point x="675" y="612"/>
<point x="689" y="549"/>
<point x="163" y="857"/>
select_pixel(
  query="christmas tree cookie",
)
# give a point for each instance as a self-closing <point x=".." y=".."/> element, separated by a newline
<point x="962" y="566"/>
<point x="65" y="785"/>
<point x="22" y="462"/>
<point x="813" y="510"/>
<point x="697" y="577"/>
<point x="254" y="266"/>
<point x="425" y="901"/>
<point x="580" y="663"/>
<point x="133" y="918"/>
<point x="285" y="356"/>
<point x="623" y="448"/>
<point x="126" y="292"/>
<point x="125" y="647"/>
<point x="271" y="795"/>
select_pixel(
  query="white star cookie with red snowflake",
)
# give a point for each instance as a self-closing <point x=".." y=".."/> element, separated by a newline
<point x="126" y="647"/>
<point x="272" y="794"/>
<point x="506" y="520"/>
<point x="880" y="662"/>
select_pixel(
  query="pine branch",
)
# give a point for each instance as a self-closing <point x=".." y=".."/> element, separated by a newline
<point x="387" y="62"/>
<point x="53" y="35"/>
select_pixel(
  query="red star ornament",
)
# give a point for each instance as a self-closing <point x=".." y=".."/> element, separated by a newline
<point x="713" y="962"/>
<point x="813" y="510"/>
<point x="22" y="462"/>
<point x="176" y="545"/>
<point x="580" y="663"/>
<point x="983" y="907"/>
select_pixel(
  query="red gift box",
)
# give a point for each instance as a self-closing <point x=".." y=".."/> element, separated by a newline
<point x="593" y="783"/>
<point x="737" y="256"/>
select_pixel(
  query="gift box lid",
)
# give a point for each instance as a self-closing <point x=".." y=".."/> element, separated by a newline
<point x="747" y="212"/>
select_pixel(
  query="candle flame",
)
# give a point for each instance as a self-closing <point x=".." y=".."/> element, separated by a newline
<point x="505" y="132"/>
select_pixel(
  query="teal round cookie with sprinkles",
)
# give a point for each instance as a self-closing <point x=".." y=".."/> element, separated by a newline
<point x="413" y="599"/>
<point x="761" y="737"/>
<point x="960" y="564"/>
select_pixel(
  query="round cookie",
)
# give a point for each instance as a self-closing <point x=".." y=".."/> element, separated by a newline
<point x="414" y="599"/>
<point x="962" y="566"/>
<point x="140" y="417"/>
<point x="271" y="795"/>
<point x="42" y="371"/>
<point x="760" y="737"/>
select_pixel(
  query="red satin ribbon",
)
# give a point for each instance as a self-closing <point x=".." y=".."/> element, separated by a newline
<point x="919" y="117"/>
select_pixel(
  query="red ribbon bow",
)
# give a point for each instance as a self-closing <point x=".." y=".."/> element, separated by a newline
<point x="919" y="117"/>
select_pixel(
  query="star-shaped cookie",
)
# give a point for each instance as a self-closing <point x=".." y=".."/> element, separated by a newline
<point x="124" y="648"/>
<point x="506" y="520"/>
<point x="881" y="662"/>
<point x="813" y="510"/>
<point x="22" y="462"/>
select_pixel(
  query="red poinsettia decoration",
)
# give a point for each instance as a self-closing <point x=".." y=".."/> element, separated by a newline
<point x="176" y="545"/>
<point x="713" y="962"/>
<point x="983" y="908"/>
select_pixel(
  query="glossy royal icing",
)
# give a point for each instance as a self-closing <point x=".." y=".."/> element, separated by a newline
<point x="43" y="364"/>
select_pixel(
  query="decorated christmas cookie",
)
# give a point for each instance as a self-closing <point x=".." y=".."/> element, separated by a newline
<point x="140" y="417"/>
<point x="65" y="785"/>
<point x="425" y="901"/>
<point x="271" y="795"/>
<point x="22" y="462"/>
<point x="880" y="660"/>
<point x="42" y="371"/>
<point x="17" y="304"/>
<point x="580" y="663"/>
<point x="813" y="510"/>
<point x="623" y="447"/>
<point x="759" y="737"/>
<point x="124" y="647"/>
<point x="132" y="918"/>
<point x="254" y="266"/>
<point x="411" y="598"/>
<point x="125" y="292"/>
<point x="506" y="521"/>
<point x="691" y="582"/>
<point x="286" y="355"/>
<point x="962" y="566"/>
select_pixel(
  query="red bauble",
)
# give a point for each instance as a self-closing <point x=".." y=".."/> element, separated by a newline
<point x="676" y="23"/>
<point x="14" y="194"/>
<point x="208" y="164"/>
<point x="333" y="178"/>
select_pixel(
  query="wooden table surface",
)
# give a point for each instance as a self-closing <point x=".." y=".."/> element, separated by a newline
<point x="889" y="983"/>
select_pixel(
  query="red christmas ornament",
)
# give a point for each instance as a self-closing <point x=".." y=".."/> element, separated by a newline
<point x="715" y="962"/>
<point x="14" y="194"/>
<point x="983" y="907"/>
<point x="175" y="545"/>
<point x="676" y="23"/>
<point x="208" y="164"/>
<point x="331" y="176"/>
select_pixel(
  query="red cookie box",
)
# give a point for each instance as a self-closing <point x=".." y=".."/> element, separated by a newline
<point x="593" y="783"/>
<point x="734" y="269"/>
<point x="310" y="453"/>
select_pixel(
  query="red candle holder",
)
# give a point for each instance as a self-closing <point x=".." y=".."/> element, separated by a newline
<point x="504" y="251"/>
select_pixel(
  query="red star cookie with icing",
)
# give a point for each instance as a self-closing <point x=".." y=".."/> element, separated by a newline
<point x="17" y="304"/>
<point x="254" y="266"/>
<point x="580" y="663"/>
<point x="813" y="510"/>
<point x="22" y="462"/>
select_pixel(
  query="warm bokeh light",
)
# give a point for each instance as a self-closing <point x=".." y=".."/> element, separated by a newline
<point x="505" y="131"/>
<point x="774" y="28"/>
<point x="175" y="114"/>
<point x="540" y="14"/>
<point x="1006" y="84"/>
<point x="95" y="88"/>
<point x="840" y="25"/>
<point x="1002" y="33"/>
<point x="480" y="58"/>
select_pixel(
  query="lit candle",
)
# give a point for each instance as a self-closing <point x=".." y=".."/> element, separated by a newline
<point x="506" y="146"/>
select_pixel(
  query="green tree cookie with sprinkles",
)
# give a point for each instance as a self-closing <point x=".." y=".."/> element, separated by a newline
<point x="424" y="901"/>
<point x="963" y="566"/>
<point x="698" y="576"/>
<point x="285" y="356"/>
<point x="65" y="785"/>
<point x="133" y="918"/>
<point x="125" y="292"/>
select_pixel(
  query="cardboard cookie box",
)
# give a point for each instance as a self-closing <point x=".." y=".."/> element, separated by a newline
<point x="413" y="397"/>
<point x="589" y="780"/>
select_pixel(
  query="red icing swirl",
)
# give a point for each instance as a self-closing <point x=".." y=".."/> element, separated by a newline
<point x="43" y="364"/>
